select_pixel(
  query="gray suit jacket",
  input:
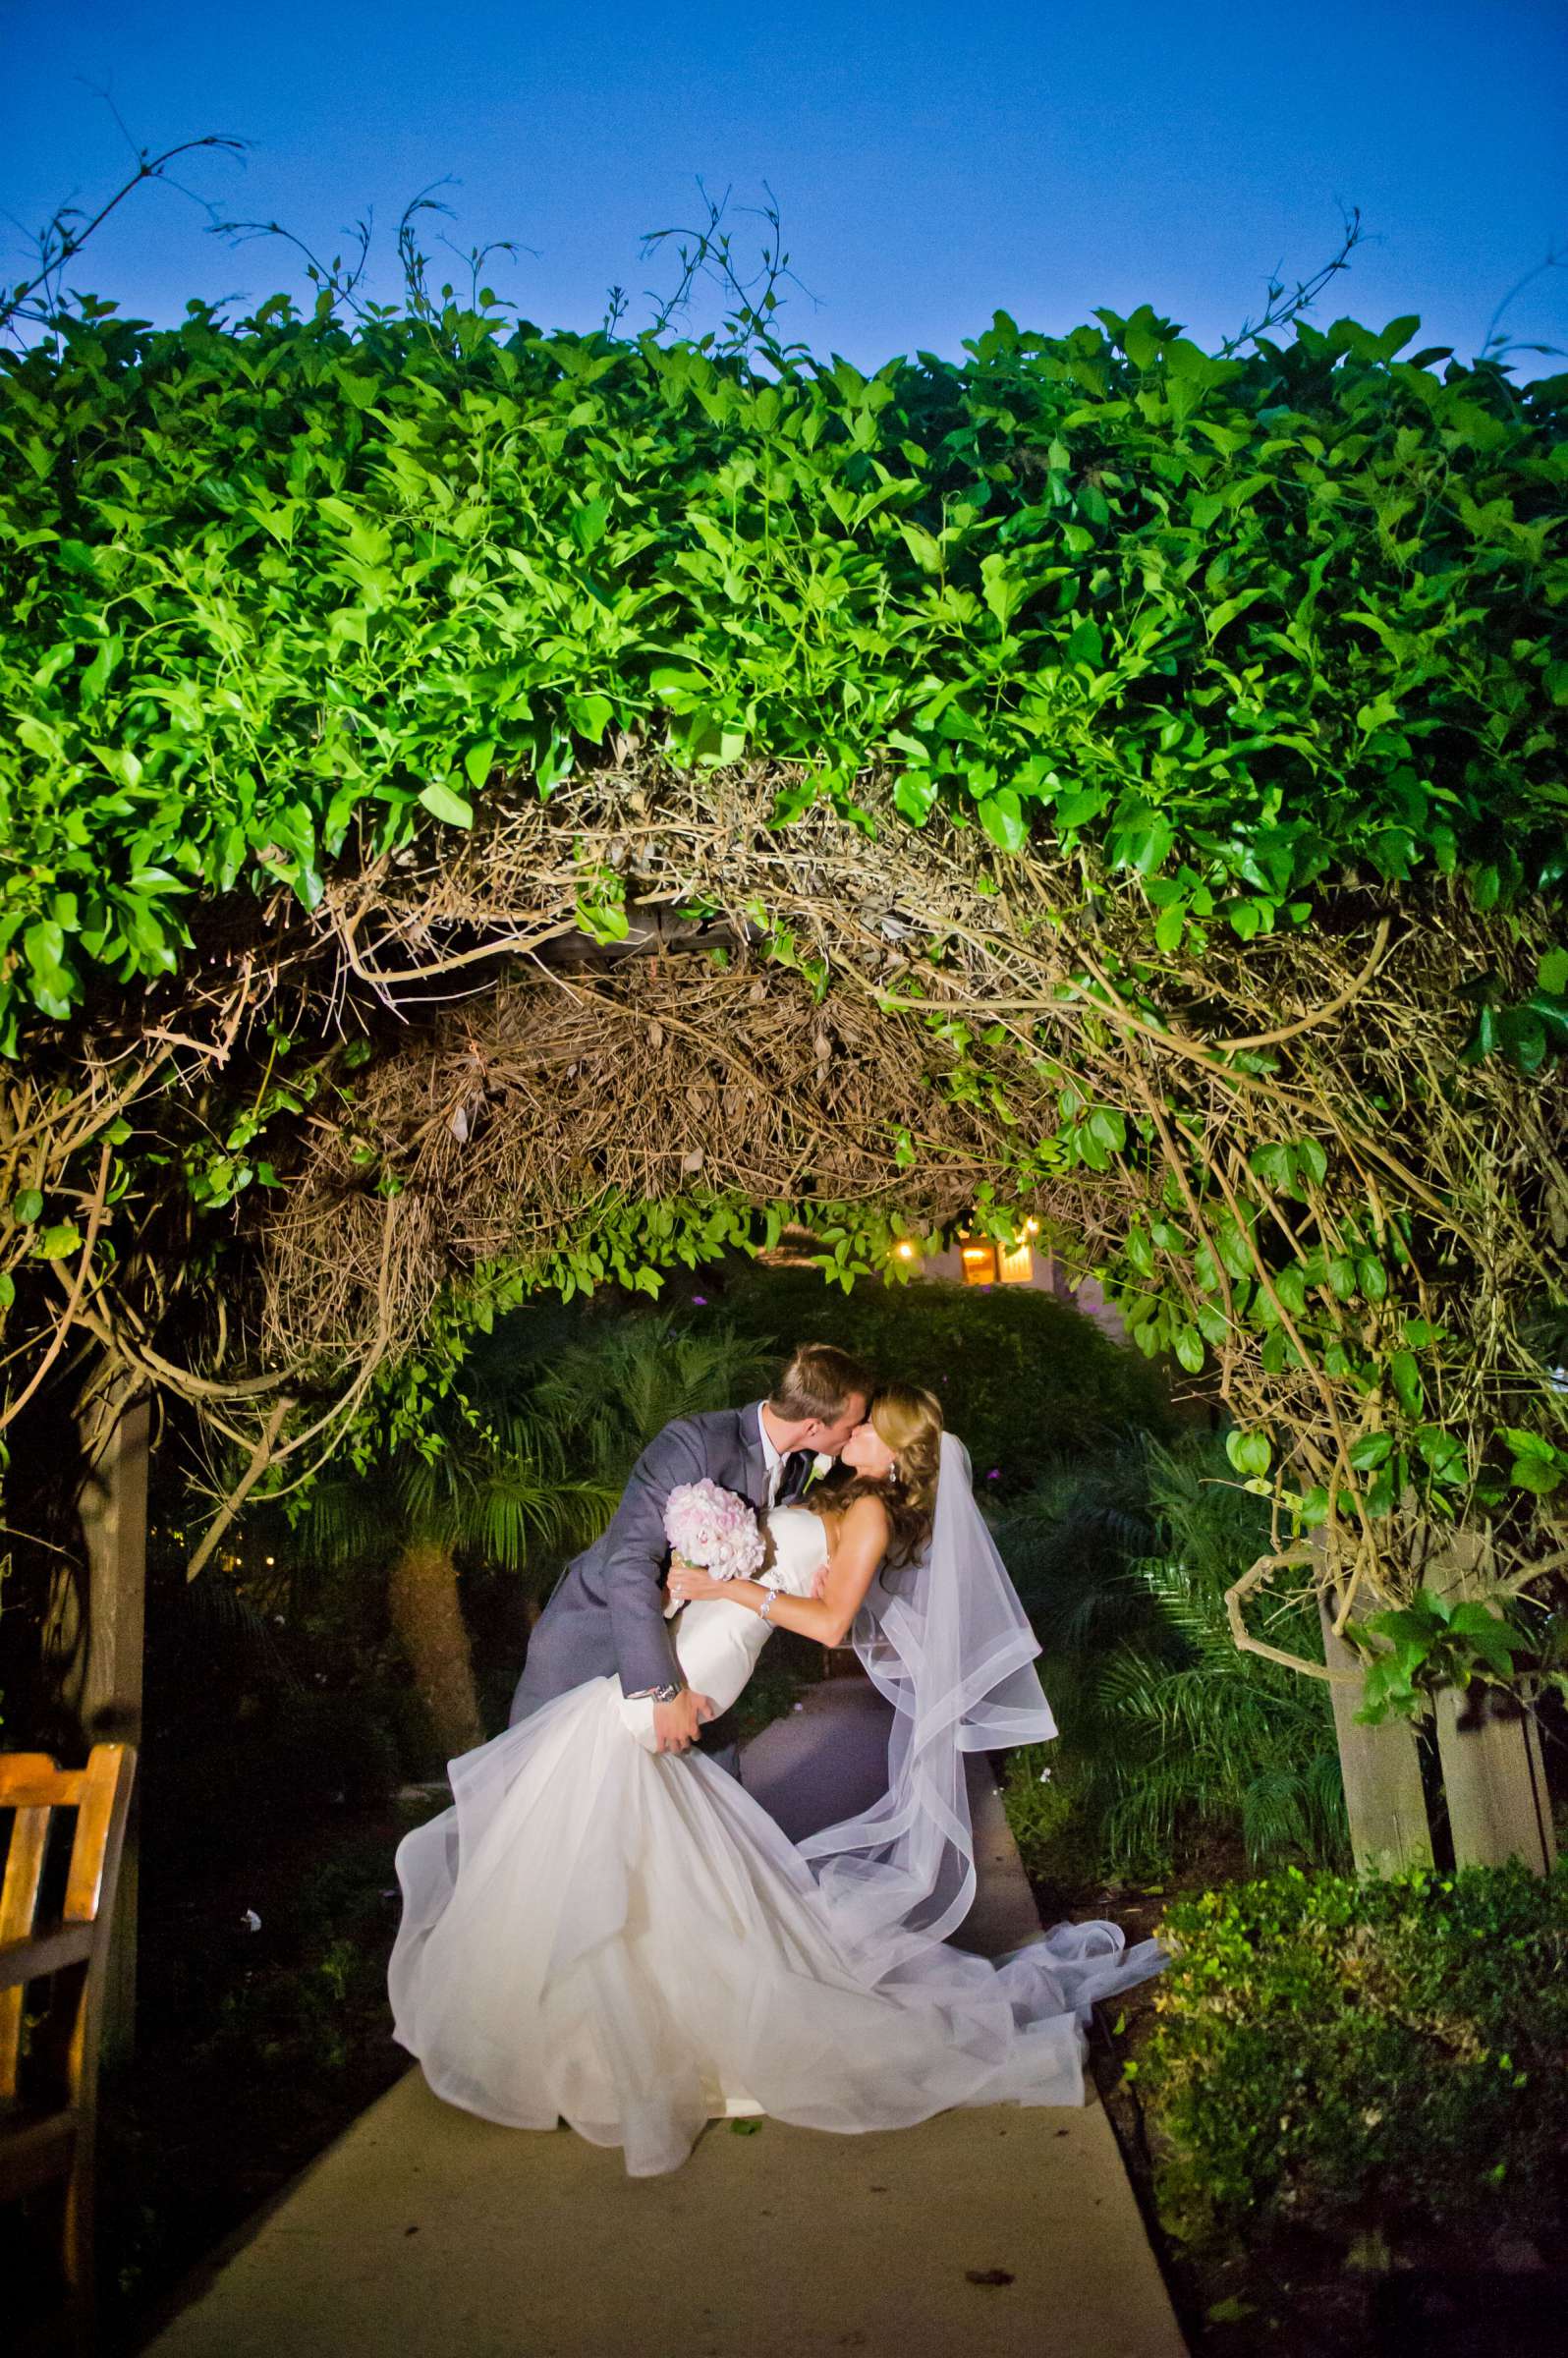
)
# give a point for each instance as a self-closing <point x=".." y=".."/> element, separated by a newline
<point x="608" y="1612"/>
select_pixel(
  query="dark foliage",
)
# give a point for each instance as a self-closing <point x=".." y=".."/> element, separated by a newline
<point x="1331" y="2051"/>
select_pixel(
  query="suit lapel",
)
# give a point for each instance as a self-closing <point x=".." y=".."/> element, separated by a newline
<point x="754" y="1455"/>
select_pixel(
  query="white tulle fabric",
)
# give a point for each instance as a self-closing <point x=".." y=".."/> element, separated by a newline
<point x="948" y="1643"/>
<point x="625" y="1941"/>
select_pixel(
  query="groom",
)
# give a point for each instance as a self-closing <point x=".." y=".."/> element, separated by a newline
<point x="608" y="1612"/>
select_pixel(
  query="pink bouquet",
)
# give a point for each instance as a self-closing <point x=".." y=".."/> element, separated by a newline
<point x="715" y="1529"/>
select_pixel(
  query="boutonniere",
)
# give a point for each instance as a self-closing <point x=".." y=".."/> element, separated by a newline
<point x="819" y="1464"/>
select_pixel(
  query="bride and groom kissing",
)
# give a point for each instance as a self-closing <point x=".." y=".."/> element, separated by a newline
<point x="606" y="1929"/>
<point x="608" y="1613"/>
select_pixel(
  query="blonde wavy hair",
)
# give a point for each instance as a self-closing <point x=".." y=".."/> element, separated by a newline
<point x="910" y="1422"/>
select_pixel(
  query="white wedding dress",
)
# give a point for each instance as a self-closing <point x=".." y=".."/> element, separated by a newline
<point x="625" y="1941"/>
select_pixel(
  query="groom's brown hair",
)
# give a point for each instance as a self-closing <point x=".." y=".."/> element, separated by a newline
<point x="817" y="1384"/>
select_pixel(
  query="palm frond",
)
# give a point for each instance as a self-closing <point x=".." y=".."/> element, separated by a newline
<point x="1177" y="1730"/>
<point x="616" y="1391"/>
<point x="508" y="1514"/>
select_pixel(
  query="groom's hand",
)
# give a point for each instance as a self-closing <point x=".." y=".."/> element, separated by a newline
<point x="676" y="1724"/>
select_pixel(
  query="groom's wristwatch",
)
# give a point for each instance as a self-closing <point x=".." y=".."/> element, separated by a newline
<point x="655" y="1694"/>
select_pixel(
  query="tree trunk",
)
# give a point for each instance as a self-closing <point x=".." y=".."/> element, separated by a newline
<point x="1382" y="1772"/>
<point x="427" y="1619"/>
<point x="102" y="1678"/>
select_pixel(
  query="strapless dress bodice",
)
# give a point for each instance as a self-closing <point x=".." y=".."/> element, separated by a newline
<point x="796" y="1549"/>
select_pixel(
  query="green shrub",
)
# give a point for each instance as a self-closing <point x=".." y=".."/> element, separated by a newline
<point x="1022" y="1378"/>
<point x="1058" y="1836"/>
<point x="1334" y="2052"/>
<point x="333" y="1744"/>
<point x="314" y="2000"/>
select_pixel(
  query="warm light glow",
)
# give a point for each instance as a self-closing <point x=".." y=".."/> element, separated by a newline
<point x="905" y="1251"/>
<point x="979" y="1264"/>
<point x="1017" y="1264"/>
<point x="1032" y="1227"/>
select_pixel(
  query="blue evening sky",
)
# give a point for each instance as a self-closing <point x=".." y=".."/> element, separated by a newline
<point x="934" y="161"/>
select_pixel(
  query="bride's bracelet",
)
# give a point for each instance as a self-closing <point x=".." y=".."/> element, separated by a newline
<point x="764" y="1611"/>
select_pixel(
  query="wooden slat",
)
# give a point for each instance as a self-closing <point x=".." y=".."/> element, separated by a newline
<point x="32" y="1780"/>
<point x="1496" y="1780"/>
<point x="18" y="1901"/>
<point x="1493" y="1776"/>
<point x="94" y="1875"/>
<point x="1380" y="1768"/>
<point x="105" y="1797"/>
<point x="37" y="2146"/>
<point x="45" y="1953"/>
<point x="19" y="1894"/>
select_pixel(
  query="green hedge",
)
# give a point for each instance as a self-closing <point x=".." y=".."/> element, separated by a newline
<point x="1333" y="2051"/>
<point x="270" y="587"/>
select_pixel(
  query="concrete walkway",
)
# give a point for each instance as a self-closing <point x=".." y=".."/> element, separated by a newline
<point x="426" y="2233"/>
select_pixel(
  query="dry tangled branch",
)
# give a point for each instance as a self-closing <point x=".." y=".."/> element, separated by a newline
<point x="783" y="1001"/>
<point x="1346" y="1035"/>
<point x="508" y="1118"/>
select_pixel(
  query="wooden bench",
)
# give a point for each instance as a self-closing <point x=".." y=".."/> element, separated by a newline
<point x="49" y="2061"/>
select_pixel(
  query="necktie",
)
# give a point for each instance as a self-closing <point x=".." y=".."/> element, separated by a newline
<point x="790" y="1475"/>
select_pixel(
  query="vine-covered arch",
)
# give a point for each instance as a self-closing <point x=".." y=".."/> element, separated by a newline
<point x="1138" y="768"/>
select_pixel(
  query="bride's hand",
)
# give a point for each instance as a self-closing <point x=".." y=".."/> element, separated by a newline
<point x="688" y="1583"/>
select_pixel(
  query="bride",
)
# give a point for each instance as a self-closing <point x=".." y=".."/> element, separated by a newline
<point x="623" y="1938"/>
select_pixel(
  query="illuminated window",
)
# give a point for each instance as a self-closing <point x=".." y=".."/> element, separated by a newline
<point x="1018" y="1264"/>
<point x="979" y="1264"/>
